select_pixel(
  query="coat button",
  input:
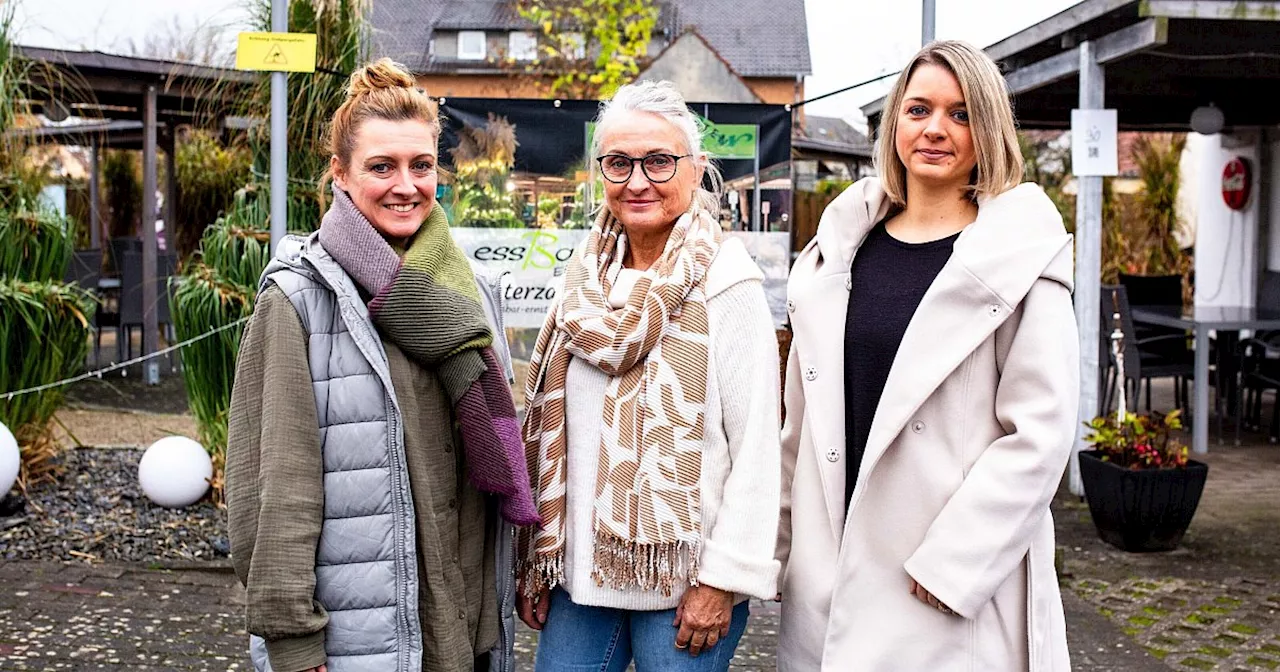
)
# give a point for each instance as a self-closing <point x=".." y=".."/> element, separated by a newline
<point x="791" y="306"/>
<point x="917" y="427"/>
<point x="833" y="455"/>
<point x="993" y="310"/>
<point x="810" y="374"/>
<point x="848" y="283"/>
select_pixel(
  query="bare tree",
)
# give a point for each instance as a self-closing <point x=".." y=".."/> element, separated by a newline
<point x="207" y="43"/>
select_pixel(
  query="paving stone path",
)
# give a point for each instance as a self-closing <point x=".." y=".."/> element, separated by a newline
<point x="1199" y="625"/>
<point x="84" y="617"/>
<point x="1212" y="604"/>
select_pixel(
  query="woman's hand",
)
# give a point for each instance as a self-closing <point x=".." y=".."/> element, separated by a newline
<point x="703" y="618"/>
<point x="928" y="598"/>
<point x="533" y="610"/>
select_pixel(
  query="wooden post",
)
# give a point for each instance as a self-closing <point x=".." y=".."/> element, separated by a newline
<point x="95" y="214"/>
<point x="150" y="324"/>
<point x="171" y="191"/>
<point x="1088" y="280"/>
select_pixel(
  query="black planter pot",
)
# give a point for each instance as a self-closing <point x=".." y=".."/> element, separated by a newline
<point x="1141" y="510"/>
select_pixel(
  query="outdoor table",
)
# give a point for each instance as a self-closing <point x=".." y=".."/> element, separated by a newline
<point x="1203" y="319"/>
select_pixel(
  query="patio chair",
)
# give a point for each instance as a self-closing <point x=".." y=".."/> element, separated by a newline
<point x="85" y="270"/>
<point x="1142" y="360"/>
<point x="1157" y="291"/>
<point x="131" y="308"/>
<point x="1259" y="372"/>
<point x="118" y="247"/>
<point x="1259" y="360"/>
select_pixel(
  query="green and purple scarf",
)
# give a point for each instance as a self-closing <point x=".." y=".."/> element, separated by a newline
<point x="427" y="303"/>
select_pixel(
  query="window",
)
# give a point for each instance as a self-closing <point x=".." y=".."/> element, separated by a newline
<point x="523" y="46"/>
<point x="471" y="45"/>
<point x="574" y="46"/>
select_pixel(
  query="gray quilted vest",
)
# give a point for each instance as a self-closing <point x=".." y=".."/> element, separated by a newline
<point x="366" y="559"/>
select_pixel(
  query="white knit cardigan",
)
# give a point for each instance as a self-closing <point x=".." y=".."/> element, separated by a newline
<point x="741" y="458"/>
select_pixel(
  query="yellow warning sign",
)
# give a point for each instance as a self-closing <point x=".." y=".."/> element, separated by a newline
<point x="276" y="52"/>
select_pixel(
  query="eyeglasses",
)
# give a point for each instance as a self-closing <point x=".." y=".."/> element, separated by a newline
<point x="659" y="168"/>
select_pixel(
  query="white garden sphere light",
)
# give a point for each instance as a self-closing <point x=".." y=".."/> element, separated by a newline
<point x="174" y="472"/>
<point x="8" y="460"/>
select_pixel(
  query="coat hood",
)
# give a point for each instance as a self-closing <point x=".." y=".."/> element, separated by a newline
<point x="1017" y="237"/>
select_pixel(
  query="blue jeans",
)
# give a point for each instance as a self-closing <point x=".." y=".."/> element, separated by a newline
<point x="576" y="638"/>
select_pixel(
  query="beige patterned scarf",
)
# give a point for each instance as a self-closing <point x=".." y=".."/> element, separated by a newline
<point x="647" y="514"/>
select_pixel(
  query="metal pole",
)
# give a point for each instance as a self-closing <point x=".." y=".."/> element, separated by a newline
<point x="279" y="133"/>
<point x="927" y="22"/>
<point x="150" y="324"/>
<point x="95" y="216"/>
<point x="1088" y="290"/>
<point x="755" y="194"/>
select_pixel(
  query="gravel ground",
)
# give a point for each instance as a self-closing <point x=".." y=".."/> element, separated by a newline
<point x="98" y="513"/>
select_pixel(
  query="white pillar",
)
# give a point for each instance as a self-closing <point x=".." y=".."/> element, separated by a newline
<point x="1088" y="263"/>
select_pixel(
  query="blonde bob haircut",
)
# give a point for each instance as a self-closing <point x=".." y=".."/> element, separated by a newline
<point x="986" y="97"/>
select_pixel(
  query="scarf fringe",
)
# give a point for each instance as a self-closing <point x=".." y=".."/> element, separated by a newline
<point x="619" y="563"/>
<point x="543" y="571"/>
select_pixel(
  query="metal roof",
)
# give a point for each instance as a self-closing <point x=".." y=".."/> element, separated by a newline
<point x="1161" y="60"/>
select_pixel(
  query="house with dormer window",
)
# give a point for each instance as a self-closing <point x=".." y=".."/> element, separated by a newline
<point x="721" y="50"/>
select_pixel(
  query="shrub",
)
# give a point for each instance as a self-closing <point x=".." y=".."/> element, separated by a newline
<point x="1139" y="441"/>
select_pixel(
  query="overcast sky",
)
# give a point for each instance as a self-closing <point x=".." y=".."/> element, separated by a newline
<point x="850" y="40"/>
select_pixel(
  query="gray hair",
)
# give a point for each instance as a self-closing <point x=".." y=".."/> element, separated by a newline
<point x="664" y="100"/>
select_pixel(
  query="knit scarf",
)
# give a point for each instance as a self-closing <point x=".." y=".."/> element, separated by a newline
<point x="427" y="303"/>
<point x="647" y="515"/>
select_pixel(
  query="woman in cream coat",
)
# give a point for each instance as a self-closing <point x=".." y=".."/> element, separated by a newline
<point x="941" y="556"/>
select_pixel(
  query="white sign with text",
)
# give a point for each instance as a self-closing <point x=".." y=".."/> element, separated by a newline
<point x="532" y="262"/>
<point x="1093" y="143"/>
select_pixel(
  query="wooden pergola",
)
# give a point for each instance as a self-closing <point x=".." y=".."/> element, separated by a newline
<point x="140" y="103"/>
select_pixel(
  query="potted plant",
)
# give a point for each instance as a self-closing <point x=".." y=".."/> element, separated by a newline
<point x="1141" y="487"/>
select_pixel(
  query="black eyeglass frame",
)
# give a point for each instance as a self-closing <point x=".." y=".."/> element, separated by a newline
<point x="675" y="159"/>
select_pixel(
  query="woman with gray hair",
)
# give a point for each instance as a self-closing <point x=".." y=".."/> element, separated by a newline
<point x="652" y="430"/>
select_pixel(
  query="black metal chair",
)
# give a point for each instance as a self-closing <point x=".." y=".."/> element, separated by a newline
<point x="1157" y="291"/>
<point x="1153" y="290"/>
<point x="131" y="307"/>
<point x="1142" y="362"/>
<point x="85" y="270"/>
<point x="1260" y="366"/>
<point x="117" y="248"/>
<point x="1259" y="372"/>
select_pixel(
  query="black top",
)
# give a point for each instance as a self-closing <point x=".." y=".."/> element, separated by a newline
<point x="888" y="280"/>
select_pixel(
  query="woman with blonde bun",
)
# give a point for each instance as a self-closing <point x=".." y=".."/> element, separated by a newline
<point x="373" y="453"/>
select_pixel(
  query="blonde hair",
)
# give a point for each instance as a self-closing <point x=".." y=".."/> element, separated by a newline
<point x="382" y="89"/>
<point x="995" y="135"/>
<point x="664" y="100"/>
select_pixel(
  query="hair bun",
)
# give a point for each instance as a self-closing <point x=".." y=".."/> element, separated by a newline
<point x="383" y="73"/>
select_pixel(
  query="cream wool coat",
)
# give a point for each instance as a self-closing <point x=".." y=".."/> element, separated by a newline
<point x="967" y="447"/>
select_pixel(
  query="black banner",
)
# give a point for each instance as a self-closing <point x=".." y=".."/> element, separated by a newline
<point x="552" y="136"/>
